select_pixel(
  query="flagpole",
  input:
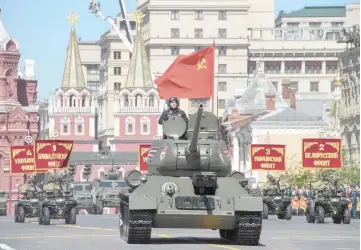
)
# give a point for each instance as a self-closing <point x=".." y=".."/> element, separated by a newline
<point x="213" y="105"/>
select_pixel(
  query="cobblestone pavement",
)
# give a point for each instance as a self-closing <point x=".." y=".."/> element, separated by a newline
<point x="101" y="232"/>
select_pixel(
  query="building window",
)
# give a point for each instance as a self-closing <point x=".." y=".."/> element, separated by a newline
<point x="80" y="129"/>
<point x="117" y="55"/>
<point x="64" y="129"/>
<point x="175" y="14"/>
<point x="198" y="48"/>
<point x="83" y="99"/>
<point x="79" y="126"/>
<point x="222" y="15"/>
<point x="130" y="126"/>
<point x="222" y="51"/>
<point x="174" y="33"/>
<point x="92" y="69"/>
<point x="330" y="69"/>
<point x="222" y="68"/>
<point x="195" y="102"/>
<point x="222" y="86"/>
<point x="313" y="69"/>
<point x="117" y="70"/>
<point x="314" y="86"/>
<point x="198" y="33"/>
<point x="275" y="84"/>
<point x="126" y="101"/>
<point x="151" y="101"/>
<point x="292" y="68"/>
<point x="272" y="68"/>
<point x="222" y="33"/>
<point x="117" y="86"/>
<point x="221" y="104"/>
<point x="175" y="50"/>
<point x="145" y="126"/>
<point x="72" y="101"/>
<point x="198" y="15"/>
<point x="138" y="100"/>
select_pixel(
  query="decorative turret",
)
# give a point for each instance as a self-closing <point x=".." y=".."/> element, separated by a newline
<point x="139" y="74"/>
<point x="73" y="76"/>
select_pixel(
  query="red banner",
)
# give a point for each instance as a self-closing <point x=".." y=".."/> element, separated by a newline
<point x="22" y="160"/>
<point x="321" y="153"/>
<point x="143" y="155"/>
<point x="52" y="154"/>
<point x="268" y="157"/>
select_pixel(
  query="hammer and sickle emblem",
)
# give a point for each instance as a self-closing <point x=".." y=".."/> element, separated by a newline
<point x="201" y="64"/>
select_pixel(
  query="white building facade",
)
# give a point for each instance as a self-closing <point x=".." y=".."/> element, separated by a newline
<point x="300" y="47"/>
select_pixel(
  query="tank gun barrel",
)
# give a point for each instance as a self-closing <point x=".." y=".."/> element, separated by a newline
<point x="193" y="143"/>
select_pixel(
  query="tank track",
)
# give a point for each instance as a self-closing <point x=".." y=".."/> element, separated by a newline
<point x="248" y="231"/>
<point x="137" y="227"/>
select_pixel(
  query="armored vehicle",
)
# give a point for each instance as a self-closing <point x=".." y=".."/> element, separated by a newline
<point x="326" y="203"/>
<point x="275" y="201"/>
<point x="27" y="205"/>
<point x="3" y="204"/>
<point x="57" y="202"/>
<point x="105" y="191"/>
<point x="82" y="195"/>
<point x="190" y="185"/>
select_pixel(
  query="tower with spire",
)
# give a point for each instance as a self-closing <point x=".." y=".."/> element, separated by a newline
<point x="136" y="104"/>
<point x="18" y="112"/>
<point x="71" y="109"/>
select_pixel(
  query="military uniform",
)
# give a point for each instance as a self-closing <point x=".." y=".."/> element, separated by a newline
<point x="50" y="187"/>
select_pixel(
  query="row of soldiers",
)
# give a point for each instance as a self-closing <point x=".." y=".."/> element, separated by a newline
<point x="55" y="183"/>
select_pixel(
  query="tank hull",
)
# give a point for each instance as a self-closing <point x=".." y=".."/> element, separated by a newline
<point x="170" y="202"/>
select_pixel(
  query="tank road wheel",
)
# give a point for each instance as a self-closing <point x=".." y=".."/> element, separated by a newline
<point x="222" y="233"/>
<point x="346" y="217"/>
<point x="265" y="211"/>
<point x="99" y="208"/>
<point x="320" y="214"/>
<point x="248" y="231"/>
<point x="21" y="214"/>
<point x="16" y="218"/>
<point x="46" y="216"/>
<point x="137" y="226"/>
<point x="40" y="216"/>
<point x="289" y="212"/>
<point x="72" y="216"/>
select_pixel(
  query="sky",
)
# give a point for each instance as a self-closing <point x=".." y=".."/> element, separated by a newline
<point x="42" y="30"/>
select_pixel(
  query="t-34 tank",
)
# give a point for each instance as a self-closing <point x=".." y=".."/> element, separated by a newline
<point x="190" y="185"/>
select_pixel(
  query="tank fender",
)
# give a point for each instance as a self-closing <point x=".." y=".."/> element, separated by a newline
<point x="142" y="202"/>
<point x="252" y="204"/>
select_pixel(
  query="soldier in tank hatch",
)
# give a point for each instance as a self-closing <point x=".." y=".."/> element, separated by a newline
<point x="173" y="110"/>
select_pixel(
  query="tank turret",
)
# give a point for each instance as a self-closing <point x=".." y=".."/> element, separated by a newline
<point x="111" y="174"/>
<point x="204" y="151"/>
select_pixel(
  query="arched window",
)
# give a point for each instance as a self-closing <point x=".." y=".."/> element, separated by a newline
<point x="79" y="126"/>
<point x="65" y="126"/>
<point x="60" y="101"/>
<point x="71" y="101"/>
<point x="138" y="100"/>
<point x="151" y="101"/>
<point x="145" y="126"/>
<point x="130" y="126"/>
<point x="126" y="101"/>
<point x="83" y="101"/>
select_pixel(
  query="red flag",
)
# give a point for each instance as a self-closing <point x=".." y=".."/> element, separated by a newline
<point x="190" y="77"/>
